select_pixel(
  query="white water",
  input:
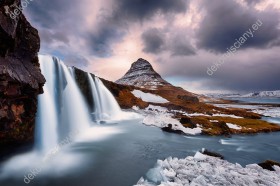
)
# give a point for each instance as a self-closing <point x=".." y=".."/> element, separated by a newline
<point x="46" y="132"/>
<point x="105" y="105"/>
<point x="61" y="109"/>
<point x="63" y="124"/>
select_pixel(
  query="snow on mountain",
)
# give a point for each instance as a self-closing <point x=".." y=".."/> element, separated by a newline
<point x="275" y="93"/>
<point x="141" y="74"/>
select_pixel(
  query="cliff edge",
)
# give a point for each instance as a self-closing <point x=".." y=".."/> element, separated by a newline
<point x="20" y="78"/>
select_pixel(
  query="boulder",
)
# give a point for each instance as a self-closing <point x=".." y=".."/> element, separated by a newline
<point x="171" y="130"/>
<point x="213" y="154"/>
<point x="268" y="165"/>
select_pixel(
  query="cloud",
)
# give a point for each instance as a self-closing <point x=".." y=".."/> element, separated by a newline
<point x="140" y="10"/>
<point x="101" y="40"/>
<point x="73" y="60"/>
<point x="154" y="41"/>
<point x="181" y="38"/>
<point x="242" y="72"/>
<point x="180" y="46"/>
<point x="157" y="40"/>
<point x="114" y="24"/>
<point x="253" y="2"/>
<point x="226" y="21"/>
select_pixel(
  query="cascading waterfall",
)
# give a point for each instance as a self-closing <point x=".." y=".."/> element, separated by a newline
<point x="61" y="109"/>
<point x="62" y="112"/>
<point x="46" y="121"/>
<point x="105" y="105"/>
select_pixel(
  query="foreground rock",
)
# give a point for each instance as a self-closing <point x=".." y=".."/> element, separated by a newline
<point x="269" y="165"/>
<point x="206" y="170"/>
<point x="20" y="78"/>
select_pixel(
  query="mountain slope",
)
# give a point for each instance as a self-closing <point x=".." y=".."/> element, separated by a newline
<point x="141" y="74"/>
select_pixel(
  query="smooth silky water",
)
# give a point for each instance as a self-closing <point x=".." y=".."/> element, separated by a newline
<point x="116" y="154"/>
<point x="125" y="151"/>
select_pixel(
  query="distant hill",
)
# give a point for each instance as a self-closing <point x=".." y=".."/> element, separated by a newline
<point x="275" y="93"/>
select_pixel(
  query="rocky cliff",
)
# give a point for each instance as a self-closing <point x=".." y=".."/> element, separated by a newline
<point x="20" y="77"/>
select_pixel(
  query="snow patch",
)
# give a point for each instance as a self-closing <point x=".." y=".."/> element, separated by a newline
<point x="214" y="121"/>
<point x="148" y="97"/>
<point x="233" y="126"/>
<point x="135" y="108"/>
<point x="227" y="115"/>
<point x="160" y="117"/>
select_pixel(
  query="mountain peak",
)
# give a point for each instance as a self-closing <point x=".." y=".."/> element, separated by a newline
<point x="142" y="74"/>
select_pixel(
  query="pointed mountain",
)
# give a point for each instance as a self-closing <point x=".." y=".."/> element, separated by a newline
<point x="142" y="74"/>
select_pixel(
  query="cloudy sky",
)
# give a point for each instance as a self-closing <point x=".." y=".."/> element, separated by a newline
<point x="181" y="38"/>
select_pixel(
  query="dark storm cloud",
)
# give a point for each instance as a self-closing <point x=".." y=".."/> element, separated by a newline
<point x="154" y="41"/>
<point x="226" y="21"/>
<point x="253" y="2"/>
<point x="112" y="28"/>
<point x="180" y="46"/>
<point x="52" y="13"/>
<point x="252" y="77"/>
<point x="145" y="9"/>
<point x="60" y="20"/>
<point x="100" y="41"/>
<point x="54" y="19"/>
<point x="251" y="70"/>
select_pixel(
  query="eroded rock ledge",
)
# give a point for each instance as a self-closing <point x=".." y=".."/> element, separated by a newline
<point x="20" y="77"/>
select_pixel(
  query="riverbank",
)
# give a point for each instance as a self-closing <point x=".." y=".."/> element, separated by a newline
<point x="179" y="121"/>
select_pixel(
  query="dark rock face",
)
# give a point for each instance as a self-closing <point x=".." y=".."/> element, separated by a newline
<point x="213" y="154"/>
<point x="268" y="165"/>
<point x="169" y="129"/>
<point x="187" y="122"/>
<point x="20" y="78"/>
<point x="225" y="129"/>
<point x="142" y="74"/>
<point x="84" y="85"/>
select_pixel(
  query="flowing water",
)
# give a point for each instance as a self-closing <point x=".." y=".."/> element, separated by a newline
<point x="106" y="107"/>
<point x="108" y="154"/>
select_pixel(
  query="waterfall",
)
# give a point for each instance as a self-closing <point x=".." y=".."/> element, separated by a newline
<point x="105" y="105"/>
<point x="61" y="109"/>
<point x="46" y="121"/>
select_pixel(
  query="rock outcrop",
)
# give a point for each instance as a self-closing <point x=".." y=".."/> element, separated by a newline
<point x="20" y="78"/>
